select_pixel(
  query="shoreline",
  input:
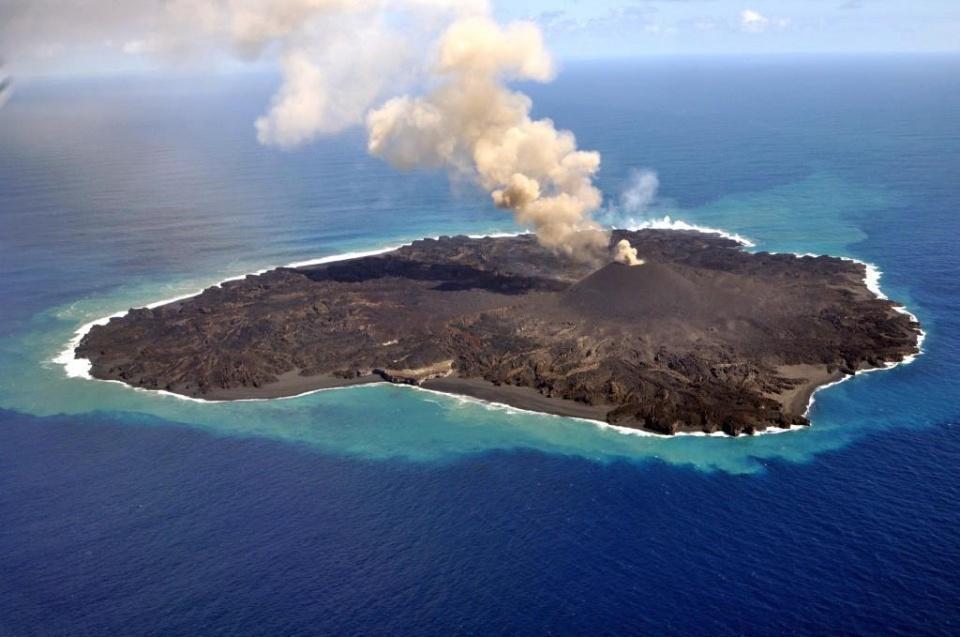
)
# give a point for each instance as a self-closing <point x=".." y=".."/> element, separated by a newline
<point x="76" y="367"/>
<point x="871" y="279"/>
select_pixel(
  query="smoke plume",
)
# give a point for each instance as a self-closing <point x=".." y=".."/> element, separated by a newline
<point x="343" y="62"/>
<point x="624" y="253"/>
<point x="473" y="125"/>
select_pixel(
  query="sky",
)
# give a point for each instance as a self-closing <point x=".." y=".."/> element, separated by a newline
<point x="613" y="28"/>
<point x="101" y="36"/>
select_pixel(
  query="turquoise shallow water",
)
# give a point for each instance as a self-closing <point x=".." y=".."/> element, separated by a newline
<point x="384" y="510"/>
<point x="386" y="421"/>
<point x="152" y="207"/>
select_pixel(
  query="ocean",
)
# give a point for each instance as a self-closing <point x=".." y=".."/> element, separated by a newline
<point x="385" y="510"/>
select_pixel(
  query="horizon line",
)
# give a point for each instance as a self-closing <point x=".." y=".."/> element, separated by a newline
<point x="264" y="69"/>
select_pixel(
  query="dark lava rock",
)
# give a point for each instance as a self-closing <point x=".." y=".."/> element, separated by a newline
<point x="703" y="337"/>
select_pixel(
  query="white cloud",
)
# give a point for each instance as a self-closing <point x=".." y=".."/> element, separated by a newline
<point x="613" y="19"/>
<point x="755" y="22"/>
<point x="139" y="47"/>
<point x="705" y="24"/>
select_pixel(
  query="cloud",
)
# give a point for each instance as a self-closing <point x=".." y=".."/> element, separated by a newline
<point x="755" y="22"/>
<point x="616" y="18"/>
<point x="139" y="47"/>
<point x="704" y="24"/>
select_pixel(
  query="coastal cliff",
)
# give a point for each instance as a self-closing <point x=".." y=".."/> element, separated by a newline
<point x="702" y="337"/>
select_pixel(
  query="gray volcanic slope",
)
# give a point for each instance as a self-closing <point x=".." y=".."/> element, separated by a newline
<point x="703" y="337"/>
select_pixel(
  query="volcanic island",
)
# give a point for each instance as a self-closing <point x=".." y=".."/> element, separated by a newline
<point x="701" y="337"/>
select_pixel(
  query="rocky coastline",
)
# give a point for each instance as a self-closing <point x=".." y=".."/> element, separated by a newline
<point x="703" y="337"/>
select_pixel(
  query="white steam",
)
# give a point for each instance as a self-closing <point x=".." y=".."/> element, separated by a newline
<point x="640" y="193"/>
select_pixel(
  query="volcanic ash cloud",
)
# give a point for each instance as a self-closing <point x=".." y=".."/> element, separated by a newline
<point x="474" y="126"/>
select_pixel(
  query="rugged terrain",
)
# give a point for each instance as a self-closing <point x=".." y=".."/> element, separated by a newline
<point x="702" y="337"/>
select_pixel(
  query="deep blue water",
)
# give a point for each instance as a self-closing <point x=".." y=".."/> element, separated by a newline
<point x="386" y="511"/>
